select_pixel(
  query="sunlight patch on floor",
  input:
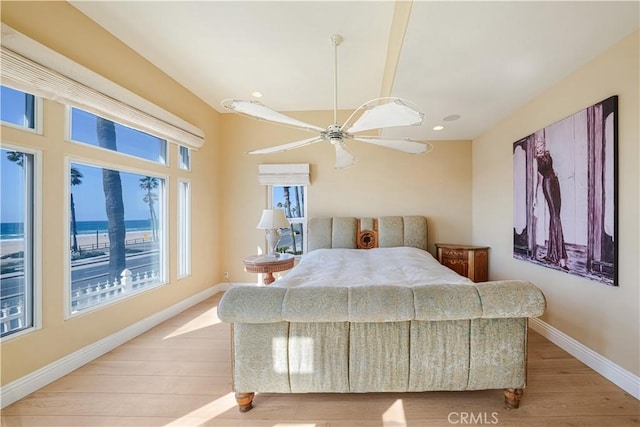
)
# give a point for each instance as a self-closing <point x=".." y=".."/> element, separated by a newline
<point x="206" y="412"/>
<point x="208" y="318"/>
<point x="394" y="416"/>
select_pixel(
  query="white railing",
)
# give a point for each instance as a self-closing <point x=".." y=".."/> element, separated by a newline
<point x="96" y="294"/>
<point x="12" y="313"/>
<point x="12" y="317"/>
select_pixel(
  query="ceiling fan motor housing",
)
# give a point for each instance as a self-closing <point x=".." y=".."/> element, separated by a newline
<point x="333" y="132"/>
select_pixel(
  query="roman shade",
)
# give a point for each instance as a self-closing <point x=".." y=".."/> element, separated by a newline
<point x="58" y="78"/>
<point x="284" y="174"/>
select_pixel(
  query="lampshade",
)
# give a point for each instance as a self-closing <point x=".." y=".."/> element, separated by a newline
<point x="272" y="218"/>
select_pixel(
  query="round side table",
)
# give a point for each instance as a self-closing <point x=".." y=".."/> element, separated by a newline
<point x="268" y="264"/>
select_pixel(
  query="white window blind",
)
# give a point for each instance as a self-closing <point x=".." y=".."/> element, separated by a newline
<point x="102" y="97"/>
<point x="284" y="174"/>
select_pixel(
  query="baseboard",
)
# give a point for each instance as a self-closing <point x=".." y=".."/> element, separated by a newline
<point x="26" y="385"/>
<point x="624" y="379"/>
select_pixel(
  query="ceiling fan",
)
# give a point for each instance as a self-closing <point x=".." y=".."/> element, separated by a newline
<point x="378" y="113"/>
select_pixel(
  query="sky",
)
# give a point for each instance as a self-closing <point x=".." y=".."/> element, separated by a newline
<point x="11" y="190"/>
<point x="89" y="196"/>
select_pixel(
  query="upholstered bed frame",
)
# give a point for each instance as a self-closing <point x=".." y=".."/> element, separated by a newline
<point x="381" y="338"/>
<point x="367" y="233"/>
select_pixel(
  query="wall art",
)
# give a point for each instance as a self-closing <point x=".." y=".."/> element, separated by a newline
<point x="565" y="194"/>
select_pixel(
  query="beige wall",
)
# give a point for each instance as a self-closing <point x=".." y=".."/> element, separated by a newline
<point x="605" y="319"/>
<point x="384" y="182"/>
<point x="62" y="28"/>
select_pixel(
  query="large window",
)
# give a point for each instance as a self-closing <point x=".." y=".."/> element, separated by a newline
<point x="19" y="108"/>
<point x="292" y="200"/>
<point x="116" y="233"/>
<point x="116" y="217"/>
<point x="91" y="129"/>
<point x="17" y="206"/>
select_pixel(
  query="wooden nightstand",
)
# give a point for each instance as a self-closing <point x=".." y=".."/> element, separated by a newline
<point x="466" y="260"/>
<point x="268" y="265"/>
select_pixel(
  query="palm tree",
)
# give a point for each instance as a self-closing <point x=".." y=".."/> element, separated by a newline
<point x="287" y="205"/>
<point x="299" y="214"/>
<point x="150" y="183"/>
<point x="16" y="157"/>
<point x="76" y="179"/>
<point x="112" y="186"/>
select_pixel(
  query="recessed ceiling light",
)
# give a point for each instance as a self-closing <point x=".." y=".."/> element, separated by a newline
<point x="256" y="94"/>
<point x="438" y="127"/>
<point x="451" y="117"/>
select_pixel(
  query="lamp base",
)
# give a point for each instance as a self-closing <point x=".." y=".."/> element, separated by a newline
<point x="273" y="237"/>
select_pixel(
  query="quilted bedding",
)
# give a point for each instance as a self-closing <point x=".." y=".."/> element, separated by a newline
<point x="402" y="266"/>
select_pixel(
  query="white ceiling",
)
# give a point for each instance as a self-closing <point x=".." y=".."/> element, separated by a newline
<point x="480" y="60"/>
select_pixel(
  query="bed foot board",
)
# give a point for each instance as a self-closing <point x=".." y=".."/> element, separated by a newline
<point x="245" y="401"/>
<point x="512" y="397"/>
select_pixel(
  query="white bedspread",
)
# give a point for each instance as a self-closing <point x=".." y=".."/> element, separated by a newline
<point x="402" y="266"/>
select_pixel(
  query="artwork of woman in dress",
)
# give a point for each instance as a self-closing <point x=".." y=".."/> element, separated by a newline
<point x="564" y="194"/>
<point x="548" y="181"/>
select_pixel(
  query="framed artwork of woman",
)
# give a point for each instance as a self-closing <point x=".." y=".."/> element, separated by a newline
<point x="565" y="194"/>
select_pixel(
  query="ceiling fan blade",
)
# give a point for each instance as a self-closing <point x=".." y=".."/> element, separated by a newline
<point x="344" y="158"/>
<point x="403" y="144"/>
<point x="286" y="147"/>
<point x="390" y="114"/>
<point x="256" y="110"/>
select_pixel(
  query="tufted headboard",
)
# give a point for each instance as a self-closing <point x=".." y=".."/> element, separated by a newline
<point x="366" y="233"/>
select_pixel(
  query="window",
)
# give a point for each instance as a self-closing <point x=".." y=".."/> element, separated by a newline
<point x="292" y="200"/>
<point x="91" y="129"/>
<point x="184" y="228"/>
<point x="287" y="190"/>
<point x="116" y="231"/>
<point x="184" y="158"/>
<point x="18" y="108"/>
<point x="116" y="234"/>
<point x="17" y="254"/>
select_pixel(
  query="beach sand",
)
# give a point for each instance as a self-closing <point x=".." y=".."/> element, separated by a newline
<point x="85" y="241"/>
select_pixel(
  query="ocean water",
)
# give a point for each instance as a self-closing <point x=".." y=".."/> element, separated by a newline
<point x="15" y="230"/>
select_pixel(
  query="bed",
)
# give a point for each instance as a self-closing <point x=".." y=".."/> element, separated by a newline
<point x="368" y="309"/>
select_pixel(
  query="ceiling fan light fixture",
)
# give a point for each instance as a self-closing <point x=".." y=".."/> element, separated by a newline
<point x="344" y="159"/>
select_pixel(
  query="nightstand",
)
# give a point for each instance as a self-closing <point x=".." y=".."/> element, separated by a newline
<point x="466" y="260"/>
<point x="268" y="264"/>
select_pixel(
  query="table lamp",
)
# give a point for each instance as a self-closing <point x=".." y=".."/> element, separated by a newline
<point x="273" y="220"/>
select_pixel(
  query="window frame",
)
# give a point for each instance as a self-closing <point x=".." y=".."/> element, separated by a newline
<point x="36" y="196"/>
<point x="69" y="130"/>
<point x="38" y="106"/>
<point x="296" y="220"/>
<point x="184" y="249"/>
<point x="181" y="164"/>
<point x="163" y="234"/>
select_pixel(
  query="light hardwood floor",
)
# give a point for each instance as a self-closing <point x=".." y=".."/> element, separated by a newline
<point x="178" y="374"/>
